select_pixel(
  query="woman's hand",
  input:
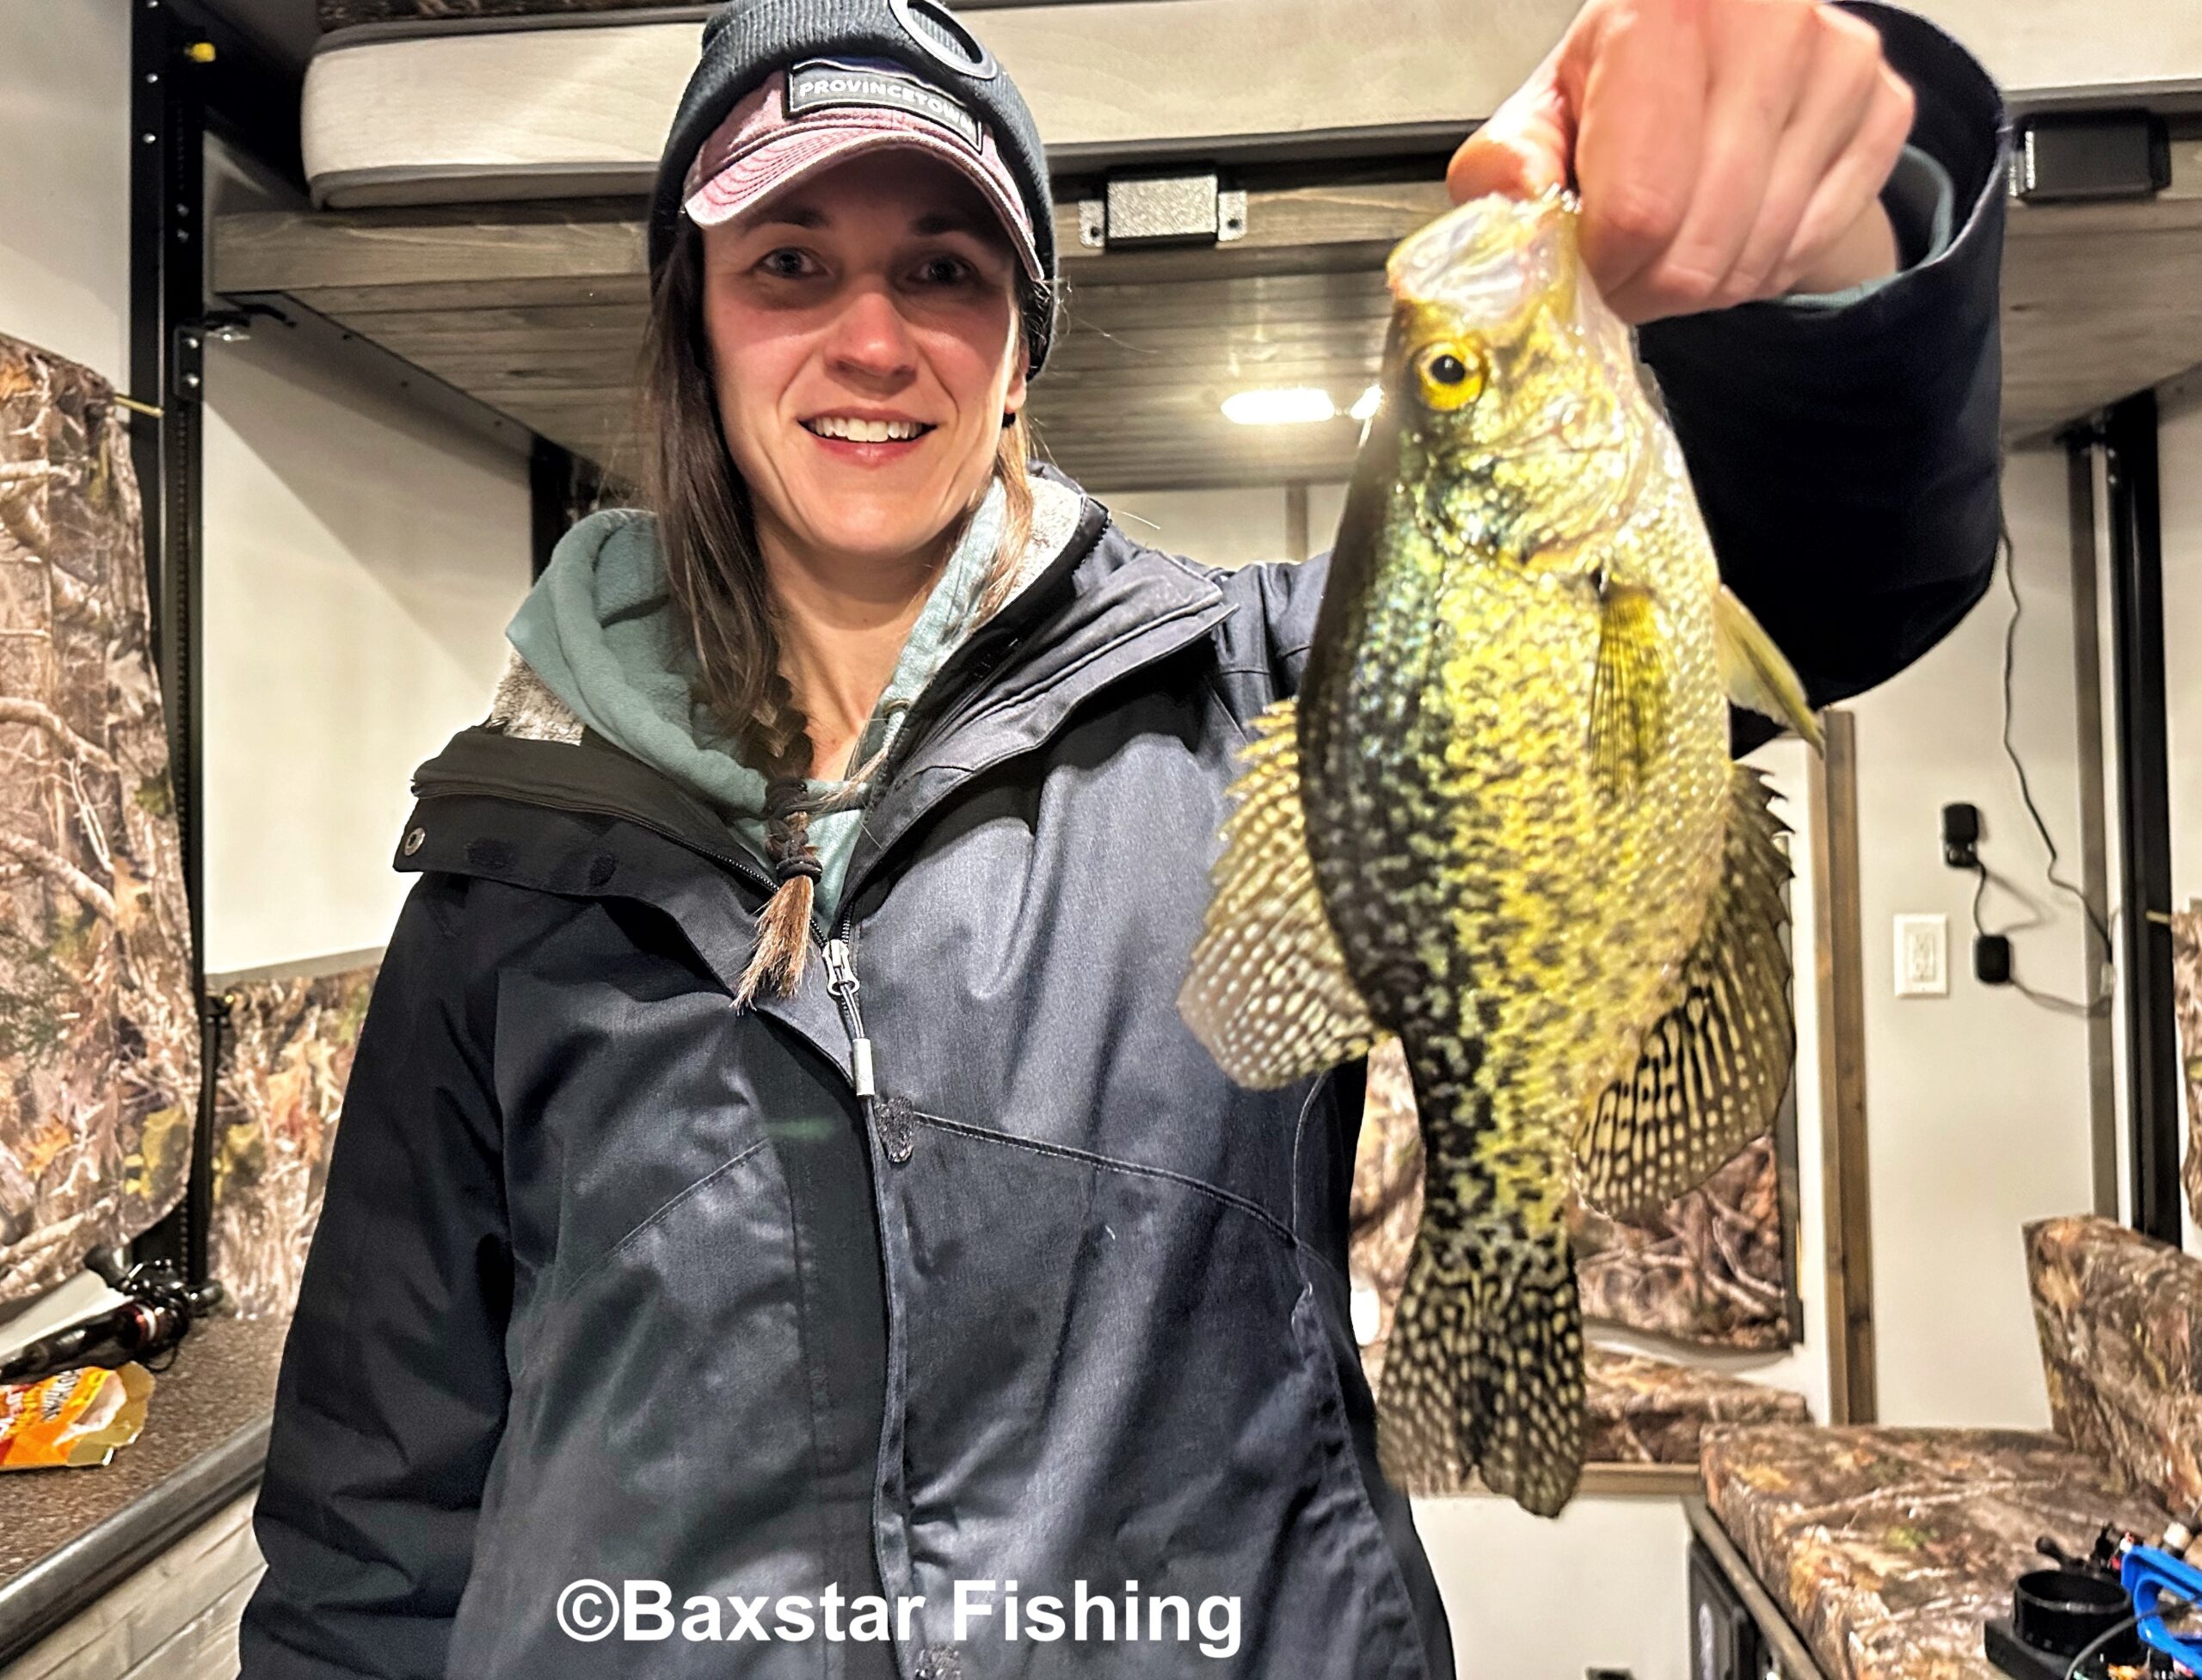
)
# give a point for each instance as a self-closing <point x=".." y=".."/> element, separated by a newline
<point x="1724" y="150"/>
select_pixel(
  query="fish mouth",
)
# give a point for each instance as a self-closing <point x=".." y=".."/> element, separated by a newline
<point x="1486" y="261"/>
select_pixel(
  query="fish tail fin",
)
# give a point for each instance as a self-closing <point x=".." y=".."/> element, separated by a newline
<point x="1484" y="1368"/>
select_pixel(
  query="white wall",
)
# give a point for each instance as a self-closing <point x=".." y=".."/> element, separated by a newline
<point x="1226" y="527"/>
<point x="362" y="557"/>
<point x="361" y="562"/>
<point x="1977" y="1103"/>
<point x="64" y="183"/>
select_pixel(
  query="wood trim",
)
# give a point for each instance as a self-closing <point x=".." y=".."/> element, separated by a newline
<point x="1789" y="1649"/>
<point x="1839" y="970"/>
<point x="1641" y="1480"/>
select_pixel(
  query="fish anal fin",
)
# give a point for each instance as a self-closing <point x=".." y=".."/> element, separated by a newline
<point x="1629" y="689"/>
<point x="1756" y="673"/>
<point x="1710" y="1072"/>
<point x="1267" y="992"/>
<point x="1483" y="1370"/>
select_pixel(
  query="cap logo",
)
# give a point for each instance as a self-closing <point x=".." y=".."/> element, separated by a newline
<point x="935" y="29"/>
<point x="826" y="84"/>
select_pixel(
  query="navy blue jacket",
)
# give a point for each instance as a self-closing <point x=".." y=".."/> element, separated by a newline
<point x="614" y="1281"/>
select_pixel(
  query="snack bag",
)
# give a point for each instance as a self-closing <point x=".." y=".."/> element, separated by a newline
<point x="76" y="1416"/>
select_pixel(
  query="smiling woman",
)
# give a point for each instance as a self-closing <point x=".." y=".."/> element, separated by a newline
<point x="774" y="1166"/>
<point x="835" y="371"/>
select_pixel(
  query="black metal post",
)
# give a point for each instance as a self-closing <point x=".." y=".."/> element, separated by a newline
<point x="2129" y="439"/>
<point x="562" y="489"/>
<point x="167" y="297"/>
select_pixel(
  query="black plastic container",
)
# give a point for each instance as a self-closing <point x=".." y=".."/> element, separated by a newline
<point x="2062" y="1610"/>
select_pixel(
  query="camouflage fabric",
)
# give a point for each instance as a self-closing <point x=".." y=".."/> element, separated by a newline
<point x="343" y="14"/>
<point x="99" y="1037"/>
<point x="2120" y="1320"/>
<point x="1654" y="1411"/>
<point x="2186" y="991"/>
<point x="286" y="1054"/>
<point x="1890" y="1548"/>
<point x="1709" y="1269"/>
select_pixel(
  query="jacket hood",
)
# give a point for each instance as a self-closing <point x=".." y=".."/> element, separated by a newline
<point x="597" y="647"/>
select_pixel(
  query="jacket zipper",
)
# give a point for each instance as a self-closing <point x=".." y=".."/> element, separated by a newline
<point x="841" y="982"/>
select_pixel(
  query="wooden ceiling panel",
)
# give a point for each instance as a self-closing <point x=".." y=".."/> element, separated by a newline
<point x="536" y="309"/>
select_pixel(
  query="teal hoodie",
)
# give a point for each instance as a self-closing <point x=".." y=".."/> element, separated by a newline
<point x="599" y="628"/>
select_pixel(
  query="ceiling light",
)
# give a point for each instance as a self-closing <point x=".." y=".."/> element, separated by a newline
<point x="1365" y="405"/>
<point x="1291" y="406"/>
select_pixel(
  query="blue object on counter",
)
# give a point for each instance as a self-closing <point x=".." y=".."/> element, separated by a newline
<point x="2150" y="1577"/>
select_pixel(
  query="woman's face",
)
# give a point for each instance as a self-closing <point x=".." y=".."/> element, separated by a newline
<point x="865" y="345"/>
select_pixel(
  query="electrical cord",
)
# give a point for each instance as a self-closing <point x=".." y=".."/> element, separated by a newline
<point x="2010" y="749"/>
<point x="2166" y="1606"/>
<point x="2094" y="1647"/>
<point x="2047" y="1000"/>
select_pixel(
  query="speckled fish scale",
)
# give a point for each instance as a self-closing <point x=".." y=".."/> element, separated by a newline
<point x="1500" y="820"/>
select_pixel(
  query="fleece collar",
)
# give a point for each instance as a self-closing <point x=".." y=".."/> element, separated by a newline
<point x="596" y="646"/>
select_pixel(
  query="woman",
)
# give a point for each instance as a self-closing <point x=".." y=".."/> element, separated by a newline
<point x="776" y="1205"/>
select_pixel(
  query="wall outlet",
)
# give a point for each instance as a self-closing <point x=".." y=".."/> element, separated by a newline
<point x="1922" y="956"/>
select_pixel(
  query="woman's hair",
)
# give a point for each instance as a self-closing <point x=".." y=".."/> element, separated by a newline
<point x="708" y="533"/>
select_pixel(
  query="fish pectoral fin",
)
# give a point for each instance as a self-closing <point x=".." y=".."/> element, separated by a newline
<point x="1758" y="676"/>
<point x="1483" y="1370"/>
<point x="1268" y="992"/>
<point x="1629" y="689"/>
<point x="1710" y="1072"/>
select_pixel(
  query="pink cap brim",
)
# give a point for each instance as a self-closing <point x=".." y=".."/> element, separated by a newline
<point x="759" y="152"/>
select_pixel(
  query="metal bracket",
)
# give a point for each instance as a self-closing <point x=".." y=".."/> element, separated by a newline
<point x="1139" y="210"/>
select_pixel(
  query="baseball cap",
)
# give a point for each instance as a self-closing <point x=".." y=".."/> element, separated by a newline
<point x="800" y="121"/>
<point x="922" y="43"/>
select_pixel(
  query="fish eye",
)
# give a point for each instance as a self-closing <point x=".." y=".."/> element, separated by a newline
<point x="1451" y="376"/>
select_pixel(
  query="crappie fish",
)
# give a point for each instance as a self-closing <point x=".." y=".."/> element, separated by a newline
<point x="1500" y="820"/>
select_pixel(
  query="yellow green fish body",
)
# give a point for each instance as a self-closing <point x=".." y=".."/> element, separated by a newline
<point x="1500" y="821"/>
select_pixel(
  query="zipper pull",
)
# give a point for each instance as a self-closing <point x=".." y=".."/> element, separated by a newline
<point x="841" y="982"/>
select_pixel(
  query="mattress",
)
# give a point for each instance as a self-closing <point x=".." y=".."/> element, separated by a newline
<point x="416" y="103"/>
<point x="349" y="14"/>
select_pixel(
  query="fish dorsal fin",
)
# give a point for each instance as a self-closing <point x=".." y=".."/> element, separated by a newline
<point x="1268" y="991"/>
<point x="1710" y="1072"/>
<point x="1756" y="674"/>
<point x="1630" y="688"/>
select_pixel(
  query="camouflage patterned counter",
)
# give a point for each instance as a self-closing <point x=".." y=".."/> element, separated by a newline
<point x="99" y="1037"/>
<point x="286" y="1052"/>
<point x="1889" y="1549"/>
<point x="1654" y="1411"/>
<point x="2120" y="1321"/>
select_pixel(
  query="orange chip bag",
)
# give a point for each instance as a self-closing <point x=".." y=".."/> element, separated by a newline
<point x="76" y="1416"/>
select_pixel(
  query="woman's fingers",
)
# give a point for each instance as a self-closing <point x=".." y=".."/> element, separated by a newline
<point x="1821" y="255"/>
<point x="1523" y="149"/>
<point x="1831" y="108"/>
<point x="1636" y="75"/>
<point x="1724" y="150"/>
<point x="1759" y="61"/>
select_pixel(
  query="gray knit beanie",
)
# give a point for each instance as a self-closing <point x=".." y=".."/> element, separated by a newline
<point x="746" y="40"/>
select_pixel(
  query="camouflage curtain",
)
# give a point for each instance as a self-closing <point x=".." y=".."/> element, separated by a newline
<point x="99" y="1044"/>
<point x="287" y="1049"/>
